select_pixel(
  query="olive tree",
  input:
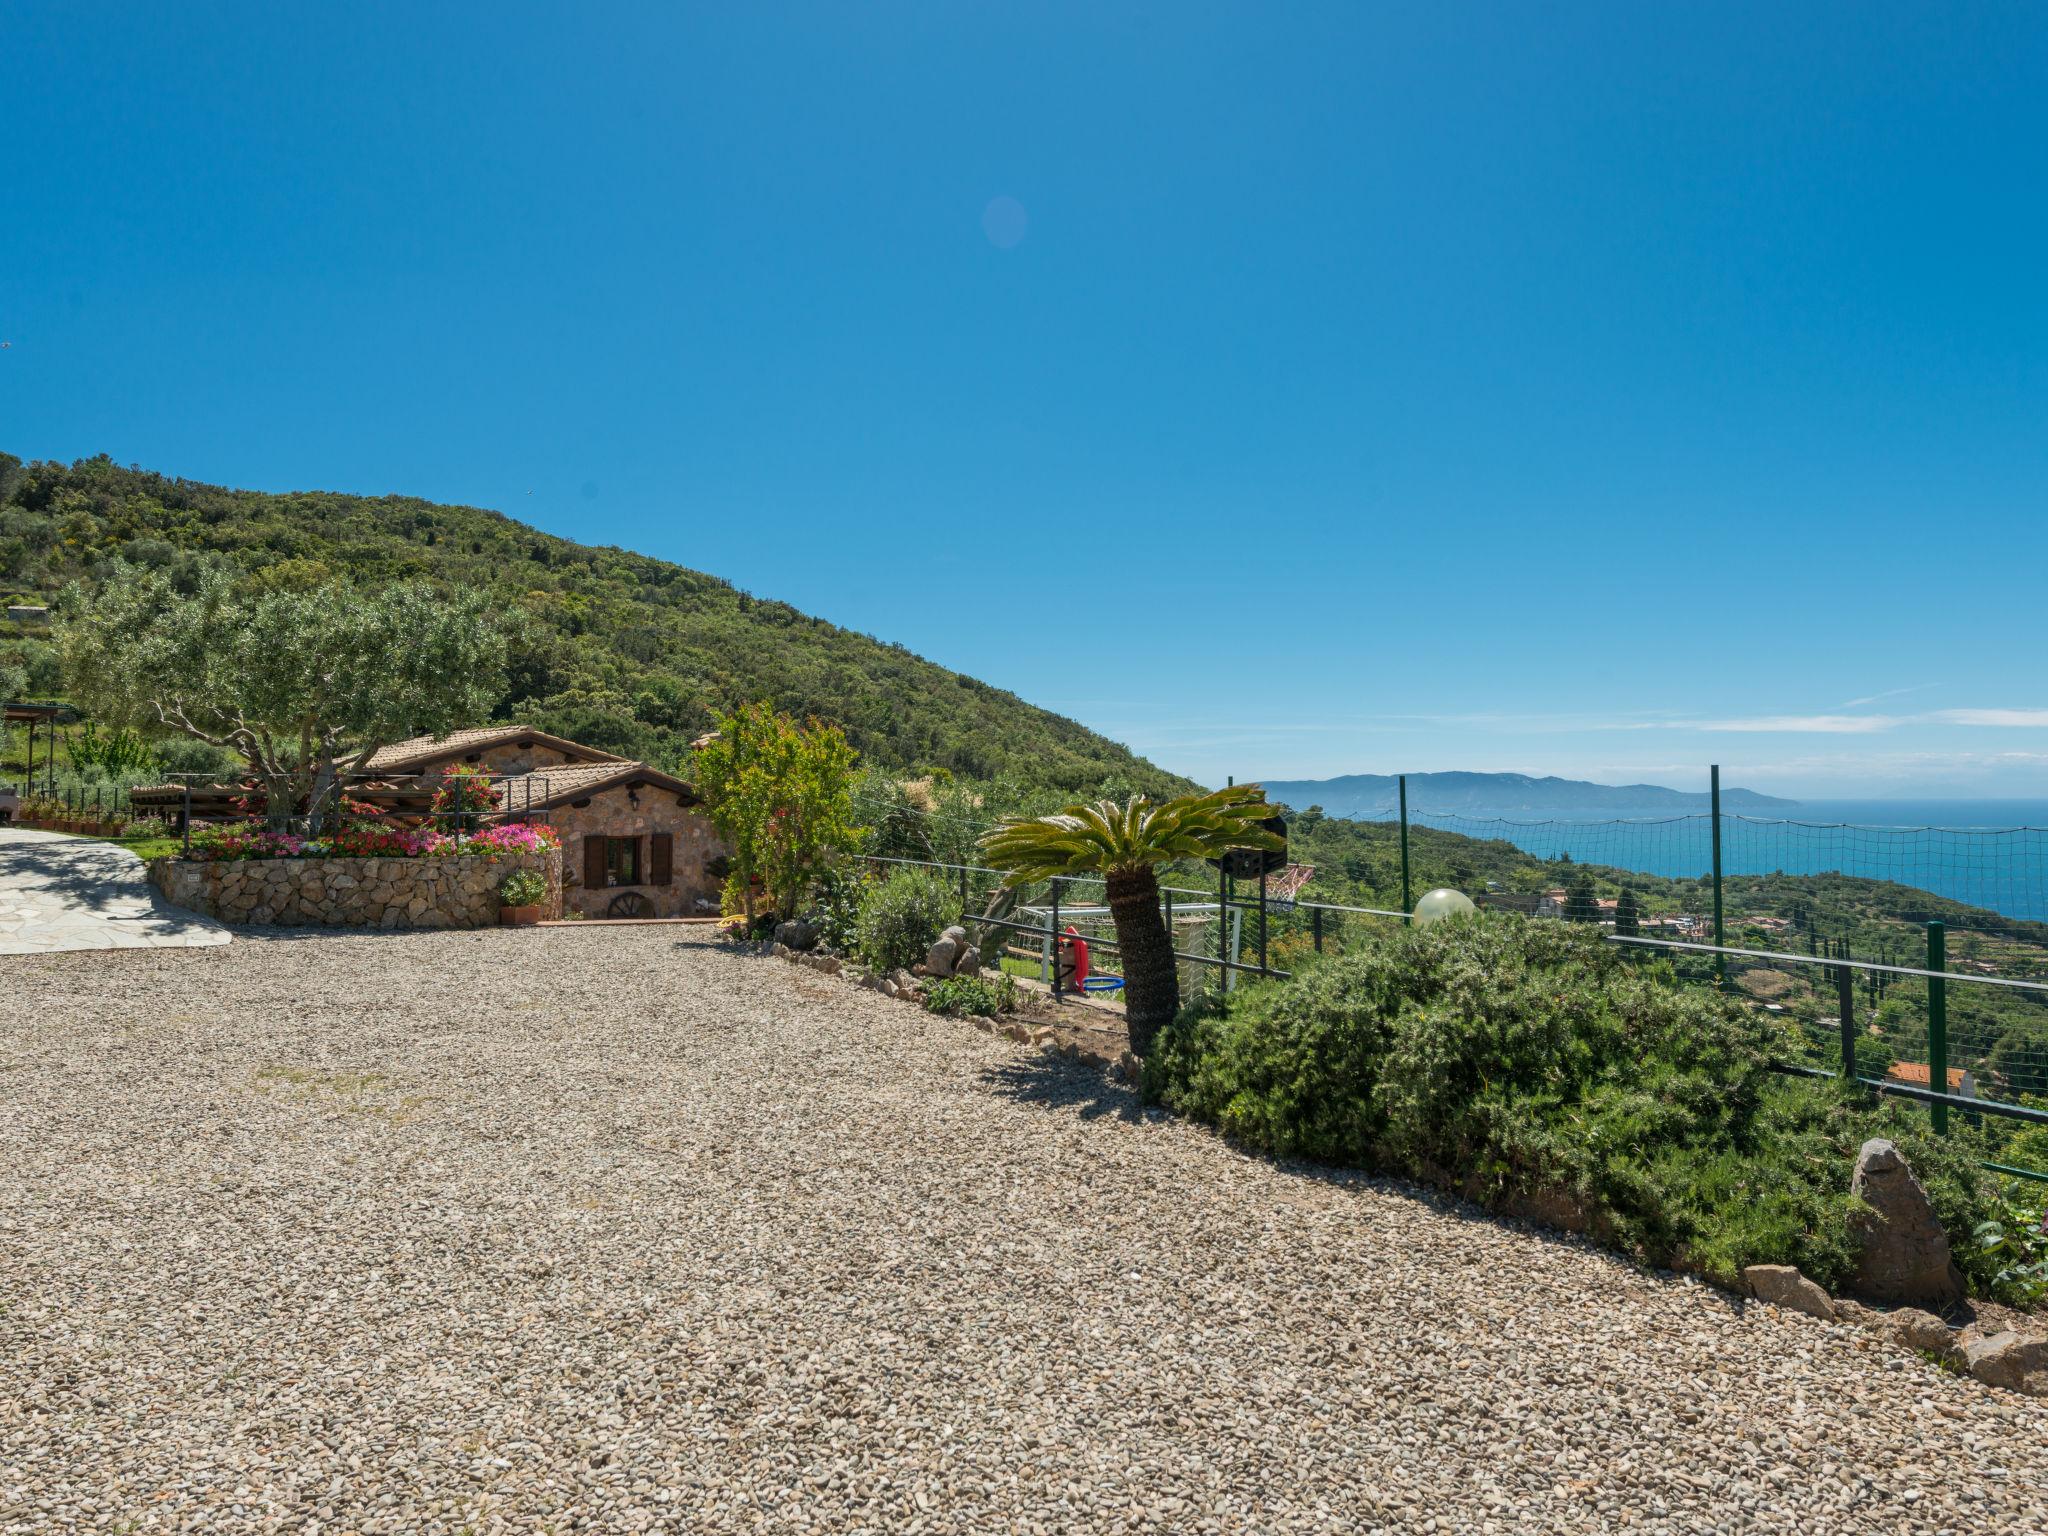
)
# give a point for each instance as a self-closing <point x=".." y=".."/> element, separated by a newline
<point x="302" y="686"/>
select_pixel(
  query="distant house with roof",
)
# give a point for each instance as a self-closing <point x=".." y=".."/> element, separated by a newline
<point x="634" y="841"/>
<point x="1918" y="1074"/>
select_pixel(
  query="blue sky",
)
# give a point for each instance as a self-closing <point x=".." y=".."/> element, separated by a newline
<point x="1287" y="390"/>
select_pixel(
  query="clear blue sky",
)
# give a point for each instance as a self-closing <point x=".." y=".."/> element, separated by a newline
<point x="1287" y="390"/>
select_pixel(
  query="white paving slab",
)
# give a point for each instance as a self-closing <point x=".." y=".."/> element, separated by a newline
<point x="59" y="892"/>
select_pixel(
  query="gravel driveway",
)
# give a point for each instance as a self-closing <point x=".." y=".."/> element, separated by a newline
<point x="606" y="1230"/>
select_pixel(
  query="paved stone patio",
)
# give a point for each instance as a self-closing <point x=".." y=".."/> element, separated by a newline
<point x="59" y="892"/>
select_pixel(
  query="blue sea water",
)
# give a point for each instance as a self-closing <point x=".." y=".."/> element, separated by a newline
<point x="1989" y="853"/>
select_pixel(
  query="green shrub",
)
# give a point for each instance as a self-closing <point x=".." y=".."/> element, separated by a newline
<point x="1534" y="1068"/>
<point x="523" y="888"/>
<point x="902" y="917"/>
<point x="975" y="996"/>
<point x="840" y="894"/>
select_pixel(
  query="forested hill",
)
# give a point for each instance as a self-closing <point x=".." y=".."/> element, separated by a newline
<point x="1366" y="796"/>
<point x="612" y="648"/>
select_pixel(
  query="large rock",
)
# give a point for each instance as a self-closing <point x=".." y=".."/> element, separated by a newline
<point x="1783" y="1286"/>
<point x="1904" y="1252"/>
<point x="796" y="934"/>
<point x="938" y="960"/>
<point x="967" y="962"/>
<point x="2010" y="1360"/>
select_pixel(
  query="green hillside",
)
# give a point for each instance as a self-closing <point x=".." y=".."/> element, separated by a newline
<point x="625" y="652"/>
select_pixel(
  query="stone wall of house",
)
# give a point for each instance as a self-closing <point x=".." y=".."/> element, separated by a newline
<point x="612" y="813"/>
<point x="450" y="892"/>
<point x="510" y="757"/>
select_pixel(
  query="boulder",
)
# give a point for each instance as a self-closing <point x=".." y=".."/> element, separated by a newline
<point x="967" y="962"/>
<point x="1904" y="1255"/>
<point x="2010" y="1360"/>
<point x="797" y="934"/>
<point x="1925" y="1332"/>
<point x="1783" y="1286"/>
<point x="938" y="960"/>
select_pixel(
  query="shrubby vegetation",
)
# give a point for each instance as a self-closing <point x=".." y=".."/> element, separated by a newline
<point x="781" y="795"/>
<point x="624" y="652"/>
<point x="523" y="888"/>
<point x="1534" y="1069"/>
<point x="983" y="997"/>
<point x="902" y="917"/>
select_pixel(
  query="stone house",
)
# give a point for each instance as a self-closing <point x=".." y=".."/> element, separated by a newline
<point x="633" y="842"/>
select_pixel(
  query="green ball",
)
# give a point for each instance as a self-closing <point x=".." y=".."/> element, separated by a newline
<point x="1442" y="903"/>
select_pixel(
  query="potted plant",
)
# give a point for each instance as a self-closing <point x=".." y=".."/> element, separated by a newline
<point x="521" y="898"/>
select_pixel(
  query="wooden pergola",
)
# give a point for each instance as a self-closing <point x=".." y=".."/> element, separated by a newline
<point x="32" y="715"/>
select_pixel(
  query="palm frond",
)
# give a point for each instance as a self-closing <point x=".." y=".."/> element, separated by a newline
<point x="1095" y="838"/>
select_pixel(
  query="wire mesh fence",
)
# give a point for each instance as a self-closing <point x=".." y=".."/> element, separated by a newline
<point x="1830" y="928"/>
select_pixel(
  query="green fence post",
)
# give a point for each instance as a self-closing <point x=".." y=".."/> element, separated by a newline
<point x="1407" y="895"/>
<point x="1846" y="987"/>
<point x="1720" y="931"/>
<point x="1937" y="1020"/>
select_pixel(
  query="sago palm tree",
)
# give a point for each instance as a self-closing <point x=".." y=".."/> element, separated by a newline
<point x="1125" y="845"/>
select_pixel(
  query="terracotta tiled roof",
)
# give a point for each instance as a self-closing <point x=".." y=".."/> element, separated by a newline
<point x="429" y="749"/>
<point x="553" y="786"/>
<point x="1918" y="1074"/>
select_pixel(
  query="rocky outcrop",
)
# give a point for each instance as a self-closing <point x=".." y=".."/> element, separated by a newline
<point x="453" y="891"/>
<point x="952" y="954"/>
<point x="795" y="933"/>
<point x="1904" y="1253"/>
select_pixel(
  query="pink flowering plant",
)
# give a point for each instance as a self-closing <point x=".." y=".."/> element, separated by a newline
<point x="241" y="840"/>
<point x="368" y="841"/>
<point x="515" y="837"/>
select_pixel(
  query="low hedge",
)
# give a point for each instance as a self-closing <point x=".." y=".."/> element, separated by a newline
<point x="1540" y="1071"/>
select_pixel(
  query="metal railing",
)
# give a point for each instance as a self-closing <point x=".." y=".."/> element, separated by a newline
<point x="1841" y="971"/>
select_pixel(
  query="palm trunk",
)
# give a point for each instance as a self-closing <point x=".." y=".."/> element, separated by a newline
<point x="1151" y="983"/>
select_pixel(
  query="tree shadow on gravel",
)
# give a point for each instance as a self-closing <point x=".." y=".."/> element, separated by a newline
<point x="1054" y="1082"/>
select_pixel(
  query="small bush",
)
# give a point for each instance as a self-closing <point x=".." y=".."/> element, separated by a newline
<point x="902" y="917"/>
<point x="840" y="894"/>
<point x="523" y="888"/>
<point x="972" y="996"/>
<point x="1534" y="1068"/>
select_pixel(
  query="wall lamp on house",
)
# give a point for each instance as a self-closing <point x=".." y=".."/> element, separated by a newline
<point x="632" y="794"/>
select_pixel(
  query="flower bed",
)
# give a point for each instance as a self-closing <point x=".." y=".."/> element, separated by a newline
<point x="365" y="841"/>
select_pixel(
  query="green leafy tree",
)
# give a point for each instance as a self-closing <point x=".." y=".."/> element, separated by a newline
<point x="1582" y="900"/>
<point x="1125" y="844"/>
<point x="302" y="686"/>
<point x="1628" y="913"/>
<point x="781" y="795"/>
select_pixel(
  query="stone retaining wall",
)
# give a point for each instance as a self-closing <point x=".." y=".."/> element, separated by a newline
<point x="459" y="891"/>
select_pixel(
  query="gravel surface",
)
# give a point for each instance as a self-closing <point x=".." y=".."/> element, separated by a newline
<point x="609" y="1230"/>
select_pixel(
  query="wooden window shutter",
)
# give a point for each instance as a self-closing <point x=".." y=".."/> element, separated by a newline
<point x="595" y="876"/>
<point x="663" y="846"/>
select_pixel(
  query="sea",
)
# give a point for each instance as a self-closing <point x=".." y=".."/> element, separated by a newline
<point x="1987" y="853"/>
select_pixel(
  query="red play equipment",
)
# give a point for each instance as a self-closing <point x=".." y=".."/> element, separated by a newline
<point x="1070" y="959"/>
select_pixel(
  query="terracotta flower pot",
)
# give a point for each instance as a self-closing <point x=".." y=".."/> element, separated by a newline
<point x="520" y="917"/>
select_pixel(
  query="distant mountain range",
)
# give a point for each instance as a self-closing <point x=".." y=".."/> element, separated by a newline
<point x="1369" y="796"/>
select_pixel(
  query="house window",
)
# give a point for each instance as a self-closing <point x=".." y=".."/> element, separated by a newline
<point x="622" y="860"/>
